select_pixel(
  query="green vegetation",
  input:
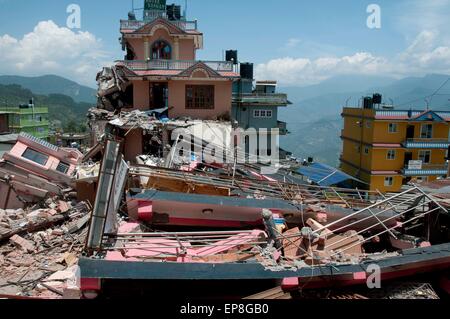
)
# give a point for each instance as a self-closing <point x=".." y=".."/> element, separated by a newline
<point x="64" y="112"/>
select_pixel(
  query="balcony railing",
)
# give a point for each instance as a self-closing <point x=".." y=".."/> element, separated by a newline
<point x="261" y="98"/>
<point x="134" y="24"/>
<point x="428" y="143"/>
<point x="177" y="65"/>
<point x="427" y="170"/>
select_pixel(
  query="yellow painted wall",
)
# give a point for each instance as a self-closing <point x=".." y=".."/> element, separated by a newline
<point x="356" y="128"/>
<point x="377" y="183"/>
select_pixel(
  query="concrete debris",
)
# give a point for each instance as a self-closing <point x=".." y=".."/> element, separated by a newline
<point x="23" y="244"/>
<point x="112" y="88"/>
<point x="40" y="258"/>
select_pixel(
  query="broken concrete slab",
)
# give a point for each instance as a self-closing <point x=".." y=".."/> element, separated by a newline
<point x="64" y="275"/>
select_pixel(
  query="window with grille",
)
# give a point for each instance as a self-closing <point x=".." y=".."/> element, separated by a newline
<point x="426" y="131"/>
<point x="262" y="114"/>
<point x="425" y="157"/>
<point x="393" y="128"/>
<point x="388" y="181"/>
<point x="63" y="167"/>
<point x="200" y="96"/>
<point x="391" y="155"/>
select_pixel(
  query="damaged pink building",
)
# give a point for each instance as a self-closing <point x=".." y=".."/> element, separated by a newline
<point x="162" y="66"/>
<point x="34" y="169"/>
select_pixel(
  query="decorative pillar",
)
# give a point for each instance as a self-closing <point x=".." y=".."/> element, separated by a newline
<point x="176" y="49"/>
<point x="146" y="49"/>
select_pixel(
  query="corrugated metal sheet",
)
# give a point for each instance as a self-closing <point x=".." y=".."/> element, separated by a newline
<point x="325" y="175"/>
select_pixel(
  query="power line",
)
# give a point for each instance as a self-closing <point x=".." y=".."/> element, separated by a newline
<point x="428" y="96"/>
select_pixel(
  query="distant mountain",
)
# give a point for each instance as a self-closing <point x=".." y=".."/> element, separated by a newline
<point x="341" y="84"/>
<point x="52" y="84"/>
<point x="315" y="120"/>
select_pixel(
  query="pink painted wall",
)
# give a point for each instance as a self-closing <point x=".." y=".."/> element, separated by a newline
<point x="187" y="49"/>
<point x="141" y="95"/>
<point x="177" y="99"/>
<point x="138" y="48"/>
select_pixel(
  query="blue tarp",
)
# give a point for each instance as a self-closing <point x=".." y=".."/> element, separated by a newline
<point x="325" y="175"/>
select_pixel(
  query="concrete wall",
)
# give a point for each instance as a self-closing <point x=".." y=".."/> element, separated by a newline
<point x="245" y="116"/>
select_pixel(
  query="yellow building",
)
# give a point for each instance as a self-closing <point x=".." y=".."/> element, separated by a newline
<point x="389" y="148"/>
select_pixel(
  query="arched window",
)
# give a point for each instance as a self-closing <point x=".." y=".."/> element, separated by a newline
<point x="161" y="50"/>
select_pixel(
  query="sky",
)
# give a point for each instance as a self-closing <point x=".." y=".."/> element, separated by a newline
<point x="297" y="42"/>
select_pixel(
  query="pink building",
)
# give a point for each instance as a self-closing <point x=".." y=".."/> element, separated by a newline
<point x="162" y="65"/>
<point x="34" y="169"/>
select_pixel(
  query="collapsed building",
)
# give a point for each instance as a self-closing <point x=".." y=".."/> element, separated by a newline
<point x="153" y="202"/>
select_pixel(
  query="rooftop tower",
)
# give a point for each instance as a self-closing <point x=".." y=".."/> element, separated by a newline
<point x="154" y="9"/>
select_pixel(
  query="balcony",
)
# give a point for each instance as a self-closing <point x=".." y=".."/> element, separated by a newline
<point x="276" y="99"/>
<point x="426" y="170"/>
<point x="282" y="126"/>
<point x="176" y="65"/>
<point x="426" y="143"/>
<point x="134" y="24"/>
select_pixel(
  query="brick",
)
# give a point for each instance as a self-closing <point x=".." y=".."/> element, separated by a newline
<point x="63" y="206"/>
<point x="22" y="243"/>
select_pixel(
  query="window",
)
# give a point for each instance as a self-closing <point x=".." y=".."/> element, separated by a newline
<point x="425" y="157"/>
<point x="262" y="114"/>
<point x="63" y="167"/>
<point x="426" y="131"/>
<point x="200" y="96"/>
<point x="388" y="181"/>
<point x="393" y="128"/>
<point x="35" y="156"/>
<point x="366" y="150"/>
<point x="391" y="154"/>
<point x="161" y="50"/>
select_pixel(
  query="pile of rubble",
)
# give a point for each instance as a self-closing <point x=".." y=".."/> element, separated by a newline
<point x="40" y="247"/>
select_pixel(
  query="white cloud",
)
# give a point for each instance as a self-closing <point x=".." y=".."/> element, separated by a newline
<point x="424" y="55"/>
<point x="50" y="49"/>
<point x="303" y="71"/>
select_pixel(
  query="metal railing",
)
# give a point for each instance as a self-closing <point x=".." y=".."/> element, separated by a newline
<point x="427" y="143"/>
<point x="263" y="98"/>
<point x="177" y="65"/>
<point x="135" y="24"/>
<point x="427" y="140"/>
<point x="427" y="169"/>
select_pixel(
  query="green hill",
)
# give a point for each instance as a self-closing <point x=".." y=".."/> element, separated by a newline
<point x="52" y="84"/>
<point x="64" y="112"/>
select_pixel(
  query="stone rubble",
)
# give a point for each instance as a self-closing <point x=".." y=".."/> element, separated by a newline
<point x="39" y="250"/>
